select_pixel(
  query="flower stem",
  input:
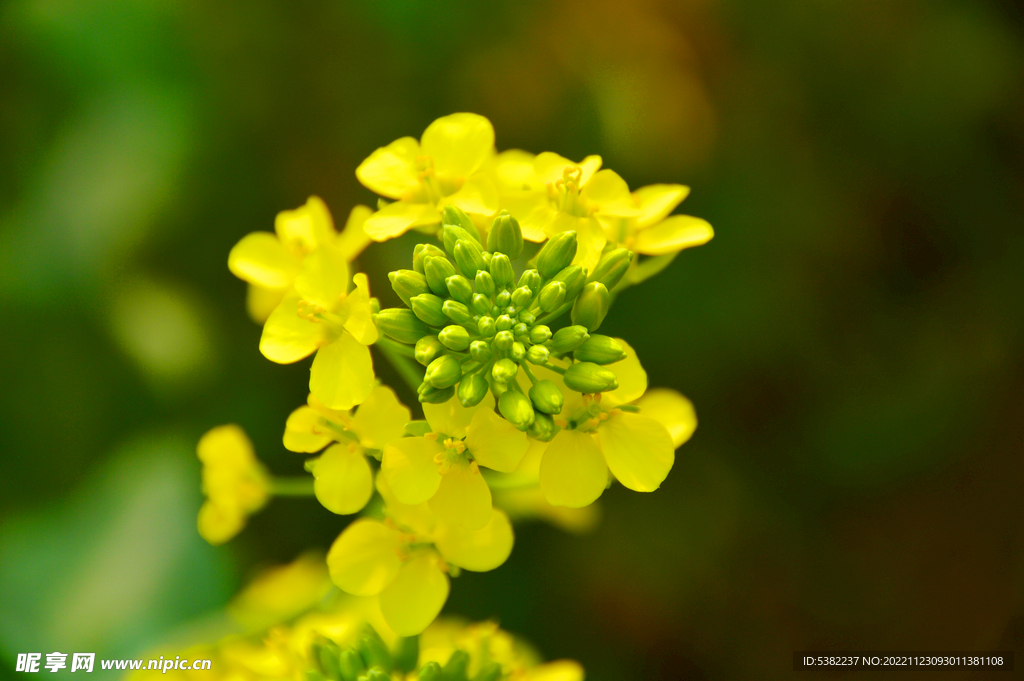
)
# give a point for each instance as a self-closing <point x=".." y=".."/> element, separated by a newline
<point x="292" y="487"/>
<point x="401" y="358"/>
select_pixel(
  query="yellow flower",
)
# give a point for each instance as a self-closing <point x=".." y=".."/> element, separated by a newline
<point x="608" y="433"/>
<point x="443" y="468"/>
<point x="321" y="315"/>
<point x="234" y="482"/>
<point x="269" y="262"/>
<point x="343" y="480"/>
<point x="653" y="232"/>
<point x="405" y="559"/>
<point x="423" y="177"/>
<point x="280" y="593"/>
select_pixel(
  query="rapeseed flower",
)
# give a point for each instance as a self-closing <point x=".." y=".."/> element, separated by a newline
<point x="234" y="482"/>
<point x="422" y="177"/>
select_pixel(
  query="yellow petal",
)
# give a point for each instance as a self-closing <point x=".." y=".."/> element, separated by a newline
<point x="259" y="258"/>
<point x="609" y="193"/>
<point x="459" y="143"/>
<point x="364" y="558"/>
<point x="354" y="239"/>
<point x="323" y="278"/>
<point x="631" y="376"/>
<point x="358" y="313"/>
<point x="287" y="337"/>
<point x="559" y="670"/>
<point x="671" y="410"/>
<point x="539" y="223"/>
<point x="409" y="468"/>
<point x="217" y="524"/>
<point x="477" y="196"/>
<point x="477" y="550"/>
<point x="304" y="229"/>
<point x="673" y="235"/>
<point x="638" y="450"/>
<point x="414" y="599"/>
<point x="463" y="498"/>
<point x="573" y="472"/>
<point x="305" y="431"/>
<point x="591" y="239"/>
<point x="380" y="419"/>
<point x="494" y="442"/>
<point x="416" y="517"/>
<point x="656" y="201"/>
<point x="512" y="171"/>
<point x="342" y="373"/>
<point x="451" y="418"/>
<point x="261" y="301"/>
<point x="343" y="482"/>
<point x="550" y="167"/>
<point x="528" y="503"/>
<point x="395" y="219"/>
<point x="390" y="171"/>
<point x="225" y="444"/>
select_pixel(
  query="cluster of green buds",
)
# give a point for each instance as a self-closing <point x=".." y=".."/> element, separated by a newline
<point x="474" y="323"/>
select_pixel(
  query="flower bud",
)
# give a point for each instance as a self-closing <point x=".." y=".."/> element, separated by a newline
<point x="428" y="308"/>
<point x="485" y="325"/>
<point x="472" y="390"/>
<point x="503" y="323"/>
<point x="522" y="296"/>
<point x="543" y="428"/>
<point x="505" y="236"/>
<point x="443" y="372"/>
<point x="540" y="334"/>
<point x="480" y="351"/>
<point x="456" y="311"/>
<point x="481" y="303"/>
<point x="470" y="258"/>
<point x="591" y="306"/>
<point x="537" y="354"/>
<point x="430" y="394"/>
<point x="612" y="267"/>
<point x="484" y="283"/>
<point x="400" y="324"/>
<point x="373" y="650"/>
<point x="575" y="278"/>
<point x="521" y="332"/>
<point x="454" y="337"/>
<point x="552" y="295"/>
<point x="459" y="288"/>
<point x="600" y="350"/>
<point x="504" y="370"/>
<point x="530" y="279"/>
<point x="546" y="397"/>
<point x="452" y="215"/>
<point x="557" y="254"/>
<point x="408" y="283"/>
<point x="431" y="671"/>
<point x="350" y="664"/>
<point x="568" y="339"/>
<point x="492" y="671"/>
<point x="457" y="666"/>
<point x="503" y="340"/>
<point x="518" y="351"/>
<point x="421" y="252"/>
<point x="451" y="235"/>
<point x="428" y="349"/>
<point x="503" y="299"/>
<point x="437" y="269"/>
<point x="501" y="271"/>
<point x="527" y="317"/>
<point x="587" y="377"/>
<point x="516" y="409"/>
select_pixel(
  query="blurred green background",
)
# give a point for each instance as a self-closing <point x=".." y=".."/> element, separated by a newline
<point x="851" y="338"/>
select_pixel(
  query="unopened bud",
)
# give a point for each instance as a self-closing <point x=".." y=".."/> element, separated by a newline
<point x="350" y="665"/>
<point x="402" y="325"/>
<point x="459" y="288"/>
<point x="484" y="283"/>
<point x="568" y="339"/>
<point x="429" y="308"/>
<point x="443" y="372"/>
<point x="456" y="311"/>
<point x="451" y="235"/>
<point x="575" y="278"/>
<point x="518" y="351"/>
<point x="530" y="279"/>
<point x="537" y="354"/>
<point x="540" y="334"/>
<point x="457" y="666"/>
<point x="552" y="295"/>
<point x="501" y="271"/>
<point x="437" y="269"/>
<point x="431" y="395"/>
<point x="452" y="215"/>
<point x="431" y="671"/>
<point x="503" y="323"/>
<point x="516" y="409"/>
<point x="522" y="296"/>
<point x="480" y="351"/>
<point x="505" y="236"/>
<point x="373" y="649"/>
<point x="408" y="283"/>
<point x="481" y="303"/>
<point x="546" y="397"/>
<point x="543" y="428"/>
<point x="527" y="317"/>
<point x="591" y="306"/>
<point x="485" y="325"/>
<point x="503" y="299"/>
<point x="612" y="267"/>
<point x="504" y="370"/>
<point x="557" y="254"/>
<point x="421" y="252"/>
<point x="600" y="350"/>
<point x="470" y="258"/>
<point x="454" y="337"/>
<point x="587" y="377"/>
<point x="472" y="390"/>
<point x="428" y="349"/>
<point x="503" y="340"/>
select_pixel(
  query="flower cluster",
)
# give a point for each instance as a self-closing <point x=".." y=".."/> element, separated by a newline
<point x="527" y="411"/>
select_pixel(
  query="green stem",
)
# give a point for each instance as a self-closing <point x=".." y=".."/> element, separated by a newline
<point x="556" y="369"/>
<point x="395" y="346"/>
<point x="292" y="487"/>
<point x="529" y="374"/>
<point x="396" y="354"/>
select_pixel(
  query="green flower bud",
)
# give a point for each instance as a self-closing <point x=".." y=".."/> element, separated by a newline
<point x="503" y="340"/>
<point x="511" y="311"/>
<point x="350" y="665"/>
<point x="451" y="235"/>
<point x="431" y="671"/>
<point x="501" y="270"/>
<point x="437" y="269"/>
<point x="470" y="258"/>
<point x="429" y="308"/>
<point x="575" y="278"/>
<point x="546" y="397"/>
<point x="485" y="325"/>
<point x="516" y="409"/>
<point x="552" y="295"/>
<point x="521" y="332"/>
<point x="428" y="349"/>
<point x="518" y="351"/>
<point x="504" y="370"/>
<point x="373" y="649"/>
<point x="543" y="428"/>
<point x="568" y="339"/>
<point x="530" y="279"/>
<point x="407" y="653"/>
<point x="456" y="311"/>
<point x="503" y="323"/>
<point x="480" y="351"/>
<point x="522" y="296"/>
<point x="408" y="283"/>
<point x="457" y="667"/>
<point x="472" y="390"/>
<point x="612" y="267"/>
<point x="600" y="350"/>
<point x="459" y="288"/>
<point x="376" y="674"/>
<point x="432" y="395"/>
<point x="587" y="377"/>
<point x="537" y="354"/>
<point x="451" y="215"/>
<point x="443" y="372"/>
<point x="557" y="254"/>
<point x="505" y="236"/>
<point x="421" y="252"/>
<point x="484" y="283"/>
<point x="591" y="306"/>
<point x="527" y="317"/>
<point x="327" y="654"/>
<point x="402" y="325"/>
<point x="481" y="303"/>
<point x="503" y="299"/>
<point x="454" y="337"/>
<point x="540" y="334"/>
